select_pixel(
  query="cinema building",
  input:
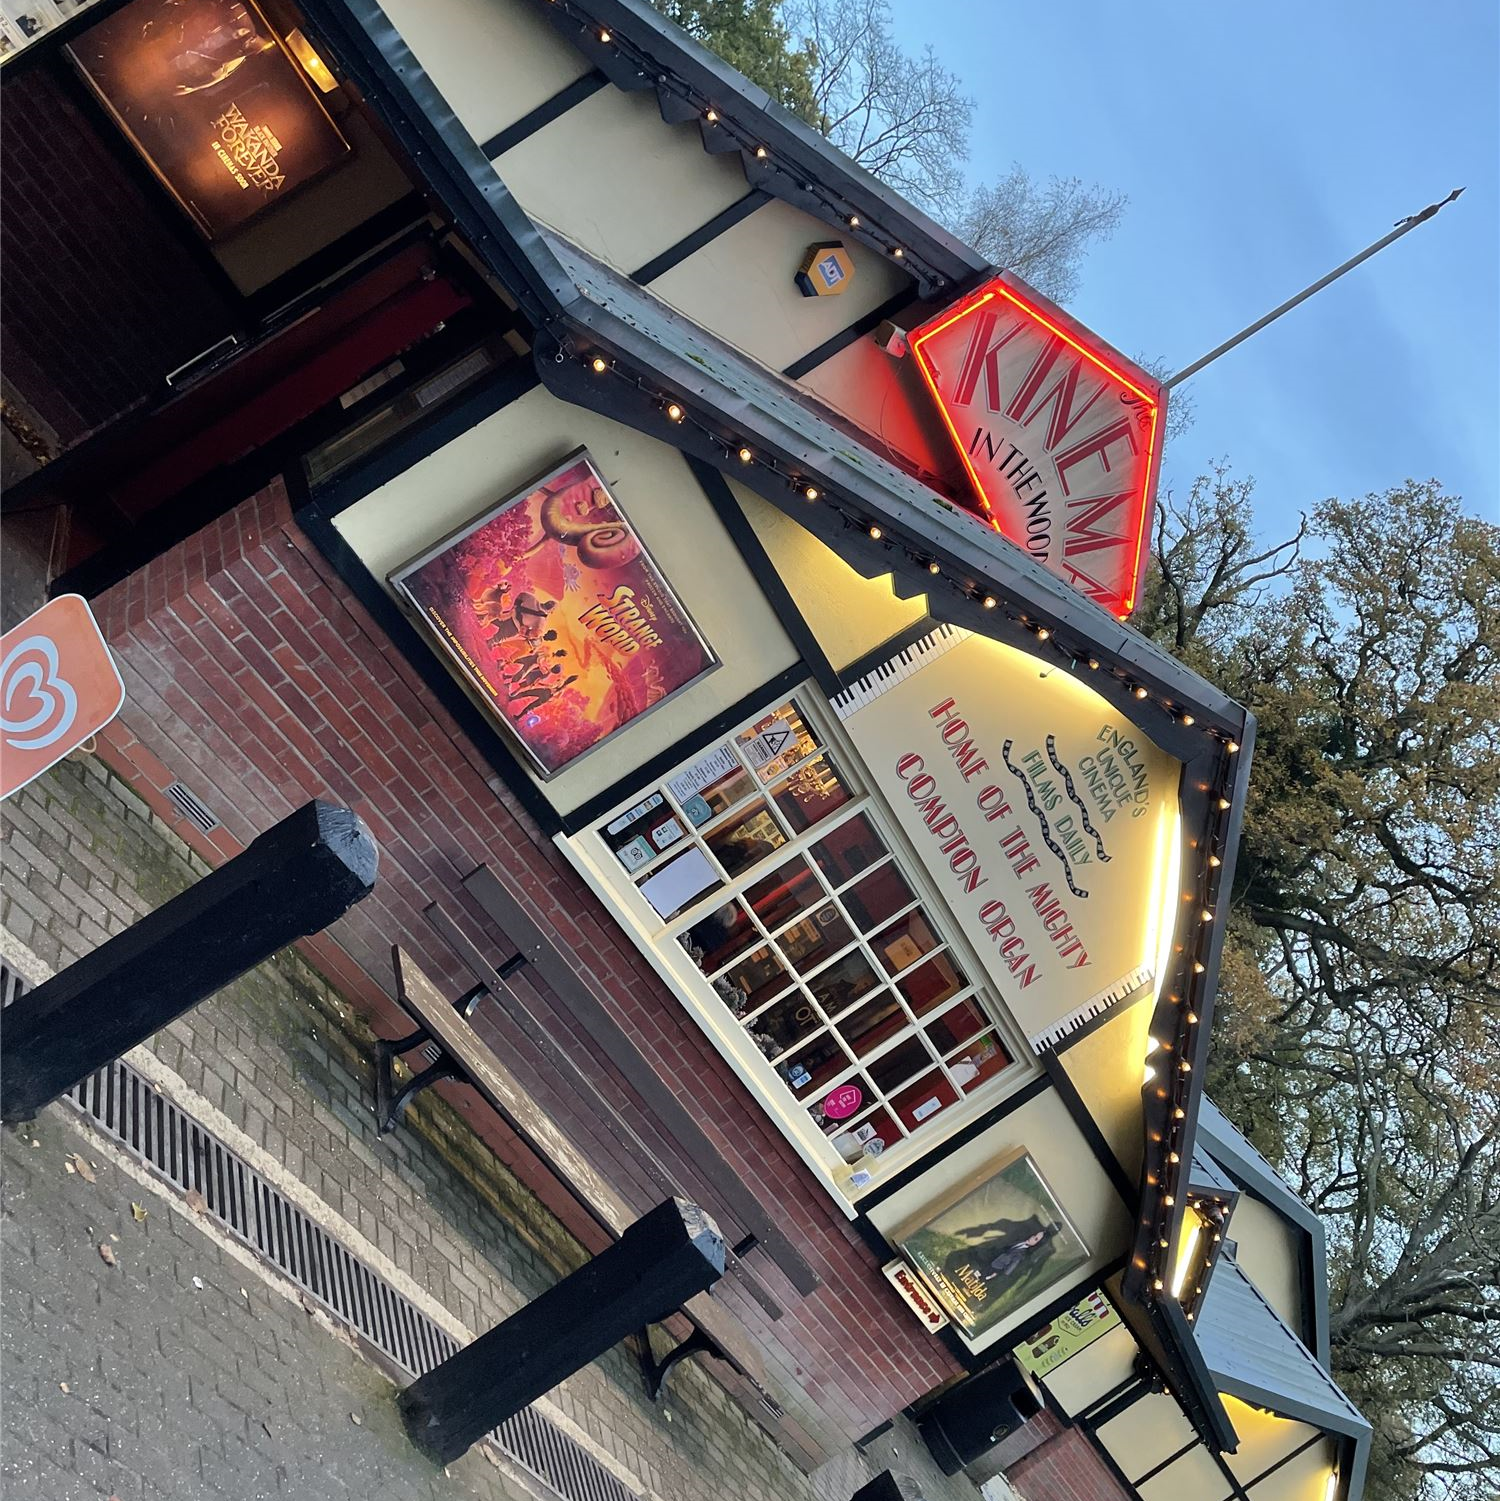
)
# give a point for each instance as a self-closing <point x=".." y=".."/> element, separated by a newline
<point x="697" y="567"/>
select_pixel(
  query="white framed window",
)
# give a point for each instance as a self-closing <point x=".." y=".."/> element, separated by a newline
<point x="771" y="889"/>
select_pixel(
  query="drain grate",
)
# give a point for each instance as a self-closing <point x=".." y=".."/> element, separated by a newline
<point x="191" y="806"/>
<point x="171" y="1143"/>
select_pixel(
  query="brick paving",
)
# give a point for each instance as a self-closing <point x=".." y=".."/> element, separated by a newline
<point x="285" y="1061"/>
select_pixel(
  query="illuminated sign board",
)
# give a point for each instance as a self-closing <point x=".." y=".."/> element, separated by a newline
<point x="555" y="614"/>
<point x="213" y="102"/>
<point x="1060" y="434"/>
<point x="1044" y="817"/>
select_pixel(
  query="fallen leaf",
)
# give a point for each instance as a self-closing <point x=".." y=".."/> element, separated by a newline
<point x="35" y="1142"/>
<point x="355" y="1418"/>
<point x="114" y="1237"/>
<point x="79" y="1166"/>
<point x="63" y="1386"/>
<point x="68" y="1165"/>
<point x="195" y="1201"/>
<point x="137" y="1212"/>
<point x="106" y="1254"/>
<point x="198" y="1283"/>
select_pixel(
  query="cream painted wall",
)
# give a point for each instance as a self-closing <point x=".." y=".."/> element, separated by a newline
<point x="493" y="60"/>
<point x="1302" y="1479"/>
<point x="1100" y="1367"/>
<point x="612" y="175"/>
<point x="659" y="496"/>
<point x="848" y="613"/>
<point x="1194" y="1477"/>
<point x="368" y="181"/>
<point x="1107" y="1067"/>
<point x="1044" y="1127"/>
<point x="1265" y="1438"/>
<point x="741" y="285"/>
<point x="1268" y="1256"/>
<point x="1148" y="1432"/>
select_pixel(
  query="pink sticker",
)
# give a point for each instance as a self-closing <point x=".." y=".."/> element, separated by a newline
<point x="843" y="1102"/>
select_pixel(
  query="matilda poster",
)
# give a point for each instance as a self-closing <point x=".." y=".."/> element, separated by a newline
<point x="556" y="614"/>
<point x="995" y="1249"/>
<point x="206" y="93"/>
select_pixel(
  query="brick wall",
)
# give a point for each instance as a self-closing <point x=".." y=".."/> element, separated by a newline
<point x="253" y="675"/>
<point x="101" y="296"/>
<point x="1064" y="1466"/>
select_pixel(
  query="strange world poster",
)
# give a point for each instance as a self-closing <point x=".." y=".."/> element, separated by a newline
<point x="556" y="614"/>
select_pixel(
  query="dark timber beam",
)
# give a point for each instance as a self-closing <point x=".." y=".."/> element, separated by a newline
<point x="659" y="1263"/>
<point x="292" y="881"/>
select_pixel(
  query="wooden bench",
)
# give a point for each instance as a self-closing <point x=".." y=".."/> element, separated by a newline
<point x="466" y="1057"/>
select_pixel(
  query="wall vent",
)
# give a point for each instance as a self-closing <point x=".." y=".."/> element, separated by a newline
<point x="191" y="807"/>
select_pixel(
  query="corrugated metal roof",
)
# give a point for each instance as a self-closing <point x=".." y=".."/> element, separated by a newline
<point x="1207" y="1173"/>
<point x="1255" y="1356"/>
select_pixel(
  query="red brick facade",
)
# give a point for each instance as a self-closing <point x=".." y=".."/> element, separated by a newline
<point x="253" y="675"/>
<point x="1064" y="1466"/>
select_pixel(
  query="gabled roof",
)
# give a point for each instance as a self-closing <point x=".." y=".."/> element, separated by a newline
<point x="1233" y="1152"/>
<point x="1254" y="1356"/>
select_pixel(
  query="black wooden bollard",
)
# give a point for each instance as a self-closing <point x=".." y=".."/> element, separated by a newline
<point x="660" y="1262"/>
<point x="291" y="881"/>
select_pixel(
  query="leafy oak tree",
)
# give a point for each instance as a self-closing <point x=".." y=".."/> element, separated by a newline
<point x="905" y="118"/>
<point x="1359" y="1019"/>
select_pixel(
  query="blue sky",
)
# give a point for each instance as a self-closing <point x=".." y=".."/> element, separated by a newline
<point x="1260" y="146"/>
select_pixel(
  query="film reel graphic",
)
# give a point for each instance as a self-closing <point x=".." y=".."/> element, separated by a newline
<point x="39" y="704"/>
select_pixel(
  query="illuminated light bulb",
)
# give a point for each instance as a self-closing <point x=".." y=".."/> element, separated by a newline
<point x="1214" y="862"/>
<point x="811" y="492"/>
<point x="711" y="115"/>
<point x="675" y="412"/>
<point x="1192" y="1018"/>
<point x="933" y="569"/>
<point x="761" y="153"/>
<point x="1139" y="691"/>
<point x="1042" y="633"/>
<point x="1157" y="1284"/>
<point x="989" y="601"/>
<point x="598" y="364"/>
<point x="1223" y="805"/>
<point x="1168" y="1200"/>
<point x="1093" y="664"/>
<point x="1179" y="1113"/>
<point x="1173" y="1157"/>
<point x="1185" y="1066"/>
<point x="1188" y="719"/>
<point x="745" y="455"/>
<point x="853" y="221"/>
<point x="1232" y="746"/>
<point x="876" y="534"/>
<point x="1205" y="915"/>
<point x="604" y="36"/>
<point x="898" y="252"/>
<point x="1198" y="966"/>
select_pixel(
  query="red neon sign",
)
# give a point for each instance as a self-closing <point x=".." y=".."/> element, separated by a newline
<point x="1060" y="434"/>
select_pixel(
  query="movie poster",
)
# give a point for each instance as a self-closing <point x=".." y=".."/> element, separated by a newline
<point x="557" y="615"/>
<point x="220" y="111"/>
<point x="996" y="1248"/>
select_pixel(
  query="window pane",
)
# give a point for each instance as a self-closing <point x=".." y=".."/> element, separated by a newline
<point x="870" y="901"/>
<point x="810" y="795"/>
<point x="714" y="940"/>
<point x="897" y="1066"/>
<point x="839" y="986"/>
<point x="809" y="942"/>
<point x="788" y="890"/>
<point x="919" y="1102"/>
<point x="875" y="1022"/>
<point x="981" y="1060"/>
<point x="905" y="941"/>
<point x="639" y="834"/>
<point x="713" y="783"/>
<point x="814" y="1066"/>
<point x="776" y="742"/>
<point x="866" y="1138"/>
<point x="679" y="883"/>
<point x="750" y="982"/>
<point x="746" y="840"/>
<point x="932" y="983"/>
<point x="957" y="1024"/>
<point x="784" y="1025"/>
<point x="847" y="850"/>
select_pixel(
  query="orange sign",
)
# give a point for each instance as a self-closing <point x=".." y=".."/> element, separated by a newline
<point x="58" y="686"/>
<point x="1060" y="434"/>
